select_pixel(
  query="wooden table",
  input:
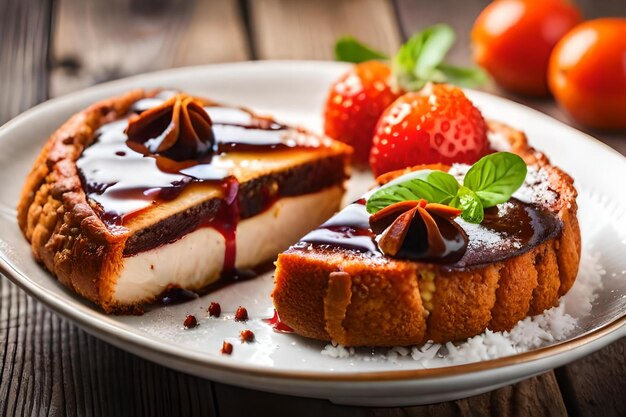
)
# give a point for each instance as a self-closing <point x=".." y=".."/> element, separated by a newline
<point x="49" y="48"/>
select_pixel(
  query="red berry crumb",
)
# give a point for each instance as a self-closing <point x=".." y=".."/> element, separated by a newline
<point x="241" y="314"/>
<point x="227" y="348"/>
<point x="247" y="336"/>
<point x="215" y="310"/>
<point x="190" y="322"/>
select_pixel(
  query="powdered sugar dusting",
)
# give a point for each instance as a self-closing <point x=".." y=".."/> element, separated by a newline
<point x="552" y="326"/>
<point x="536" y="187"/>
<point x="482" y="238"/>
<point x="498" y="141"/>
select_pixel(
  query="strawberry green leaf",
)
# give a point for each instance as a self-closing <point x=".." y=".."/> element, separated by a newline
<point x="420" y="60"/>
<point x="436" y="42"/>
<point x="464" y="77"/>
<point x="349" y="49"/>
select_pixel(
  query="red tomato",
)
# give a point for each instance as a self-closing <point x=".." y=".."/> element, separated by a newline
<point x="512" y="40"/>
<point x="587" y="73"/>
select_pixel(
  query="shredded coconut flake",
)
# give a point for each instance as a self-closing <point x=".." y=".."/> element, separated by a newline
<point x="553" y="325"/>
<point x="337" y="351"/>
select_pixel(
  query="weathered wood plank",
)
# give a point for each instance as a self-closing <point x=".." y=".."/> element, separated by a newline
<point x="97" y="41"/>
<point x="537" y="396"/>
<point x="235" y="401"/>
<point x="24" y="35"/>
<point x="50" y="367"/>
<point x="302" y="29"/>
<point x="594" y="385"/>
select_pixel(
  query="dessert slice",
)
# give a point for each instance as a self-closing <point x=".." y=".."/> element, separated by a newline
<point x="145" y="192"/>
<point x="411" y="272"/>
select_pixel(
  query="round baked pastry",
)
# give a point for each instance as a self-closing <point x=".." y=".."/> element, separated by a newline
<point x="336" y="285"/>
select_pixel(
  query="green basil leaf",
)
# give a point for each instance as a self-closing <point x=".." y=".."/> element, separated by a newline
<point x="349" y="49"/>
<point x="437" y="187"/>
<point x="469" y="202"/>
<point x="442" y="187"/>
<point x="494" y="178"/>
<point x="464" y="77"/>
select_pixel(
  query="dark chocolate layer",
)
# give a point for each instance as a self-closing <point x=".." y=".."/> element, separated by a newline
<point x="172" y="228"/>
<point x="254" y="197"/>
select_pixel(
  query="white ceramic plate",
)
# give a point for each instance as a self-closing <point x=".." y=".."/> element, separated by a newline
<point x="284" y="363"/>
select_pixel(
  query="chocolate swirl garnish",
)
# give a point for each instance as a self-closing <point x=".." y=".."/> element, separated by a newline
<point x="179" y="129"/>
<point x="420" y="231"/>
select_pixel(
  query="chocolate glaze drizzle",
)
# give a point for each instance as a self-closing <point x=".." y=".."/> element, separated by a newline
<point x="508" y="230"/>
<point x="127" y="180"/>
<point x="124" y="181"/>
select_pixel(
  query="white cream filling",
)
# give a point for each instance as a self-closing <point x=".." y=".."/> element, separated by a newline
<point x="197" y="259"/>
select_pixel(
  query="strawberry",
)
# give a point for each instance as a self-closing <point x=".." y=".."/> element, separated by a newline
<point x="354" y="104"/>
<point x="436" y="124"/>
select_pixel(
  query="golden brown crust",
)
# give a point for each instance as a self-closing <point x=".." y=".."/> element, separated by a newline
<point x="402" y="303"/>
<point x="65" y="233"/>
<point x="518" y="279"/>
<point x="375" y="305"/>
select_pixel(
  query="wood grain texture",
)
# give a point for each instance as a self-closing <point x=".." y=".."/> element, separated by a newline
<point x="538" y="396"/>
<point x="594" y="385"/>
<point x="304" y="29"/>
<point x="50" y="367"/>
<point x="97" y="41"/>
<point x="24" y="36"/>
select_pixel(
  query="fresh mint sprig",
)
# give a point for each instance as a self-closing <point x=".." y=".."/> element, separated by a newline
<point x="418" y="61"/>
<point x="490" y="181"/>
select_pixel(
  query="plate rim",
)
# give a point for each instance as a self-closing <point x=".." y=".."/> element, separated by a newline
<point x="109" y="332"/>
